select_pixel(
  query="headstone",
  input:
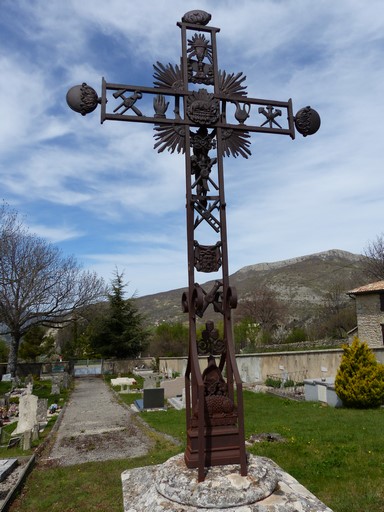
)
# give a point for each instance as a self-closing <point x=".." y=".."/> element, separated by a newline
<point x="65" y="380"/>
<point x="28" y="379"/>
<point x="7" y="377"/>
<point x="27" y="414"/>
<point x="27" y="440"/>
<point x="55" y="390"/>
<point x="42" y="411"/>
<point x="173" y="387"/>
<point x="35" y="433"/>
<point x="150" y="381"/>
<point x="153" y="398"/>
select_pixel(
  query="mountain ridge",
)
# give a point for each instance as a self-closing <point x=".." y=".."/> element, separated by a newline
<point x="301" y="282"/>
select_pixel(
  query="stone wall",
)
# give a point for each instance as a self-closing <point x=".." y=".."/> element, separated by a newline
<point x="369" y="319"/>
<point x="254" y="368"/>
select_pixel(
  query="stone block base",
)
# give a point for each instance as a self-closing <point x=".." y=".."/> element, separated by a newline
<point x="173" y="487"/>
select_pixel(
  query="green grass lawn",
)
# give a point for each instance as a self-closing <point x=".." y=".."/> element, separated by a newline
<point x="336" y="453"/>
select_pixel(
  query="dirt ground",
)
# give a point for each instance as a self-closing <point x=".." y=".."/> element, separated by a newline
<point x="95" y="427"/>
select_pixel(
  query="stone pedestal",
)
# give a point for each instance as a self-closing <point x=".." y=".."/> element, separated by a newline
<point x="172" y="486"/>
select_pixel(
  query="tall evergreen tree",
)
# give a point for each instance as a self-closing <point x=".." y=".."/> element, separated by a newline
<point x="120" y="332"/>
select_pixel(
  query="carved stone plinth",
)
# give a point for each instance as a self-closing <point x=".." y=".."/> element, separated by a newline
<point x="172" y="486"/>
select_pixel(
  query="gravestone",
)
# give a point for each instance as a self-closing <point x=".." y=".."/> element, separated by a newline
<point x="35" y="432"/>
<point x="150" y="381"/>
<point x="27" y="440"/>
<point x="42" y="411"/>
<point x="55" y="390"/>
<point x="173" y="387"/>
<point x="28" y="379"/>
<point x="65" y="380"/>
<point x="7" y="377"/>
<point x="27" y="414"/>
<point x="153" y="398"/>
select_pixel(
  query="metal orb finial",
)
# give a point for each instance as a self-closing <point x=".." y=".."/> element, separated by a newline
<point x="196" y="17"/>
<point x="82" y="98"/>
<point x="307" y="121"/>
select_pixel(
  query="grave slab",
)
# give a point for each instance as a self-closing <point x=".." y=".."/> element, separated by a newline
<point x="172" y="486"/>
<point x="6" y="467"/>
<point x="123" y="382"/>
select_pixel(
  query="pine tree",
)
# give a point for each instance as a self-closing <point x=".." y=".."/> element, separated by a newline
<point x="120" y="333"/>
<point x="36" y="343"/>
<point x="359" y="380"/>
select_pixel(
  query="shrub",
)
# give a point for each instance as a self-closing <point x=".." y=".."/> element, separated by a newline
<point x="360" y="378"/>
<point x="297" y="335"/>
<point x="273" y="382"/>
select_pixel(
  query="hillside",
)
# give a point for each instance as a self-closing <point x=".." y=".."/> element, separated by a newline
<point x="300" y="282"/>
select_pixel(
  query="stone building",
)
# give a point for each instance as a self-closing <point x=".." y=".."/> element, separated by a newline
<point x="370" y="313"/>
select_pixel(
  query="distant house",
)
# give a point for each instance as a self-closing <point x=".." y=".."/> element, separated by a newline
<point x="370" y="313"/>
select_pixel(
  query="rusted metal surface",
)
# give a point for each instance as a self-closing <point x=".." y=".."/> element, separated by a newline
<point x="206" y="114"/>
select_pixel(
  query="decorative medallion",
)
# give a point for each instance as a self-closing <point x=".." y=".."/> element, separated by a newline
<point x="307" y="121"/>
<point x="203" y="108"/>
<point x="82" y="98"/>
<point x="207" y="257"/>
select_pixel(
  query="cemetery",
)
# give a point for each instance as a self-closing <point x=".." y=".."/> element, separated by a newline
<point x="29" y="410"/>
<point x="159" y="399"/>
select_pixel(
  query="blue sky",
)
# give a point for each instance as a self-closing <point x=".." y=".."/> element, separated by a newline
<point x="102" y="193"/>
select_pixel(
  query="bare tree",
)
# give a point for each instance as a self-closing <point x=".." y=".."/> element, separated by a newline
<point x="38" y="285"/>
<point x="264" y="307"/>
<point x="374" y="263"/>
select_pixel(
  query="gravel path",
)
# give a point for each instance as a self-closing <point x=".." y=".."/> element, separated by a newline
<point x="96" y="427"/>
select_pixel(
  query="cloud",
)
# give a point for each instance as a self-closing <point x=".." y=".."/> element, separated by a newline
<point x="103" y="192"/>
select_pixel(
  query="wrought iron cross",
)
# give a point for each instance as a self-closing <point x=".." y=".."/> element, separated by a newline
<point x="206" y="114"/>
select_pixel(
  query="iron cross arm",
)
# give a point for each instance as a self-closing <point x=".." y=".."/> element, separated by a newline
<point x="232" y="112"/>
<point x="152" y="105"/>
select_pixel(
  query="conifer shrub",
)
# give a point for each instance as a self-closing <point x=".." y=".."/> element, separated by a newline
<point x="359" y="380"/>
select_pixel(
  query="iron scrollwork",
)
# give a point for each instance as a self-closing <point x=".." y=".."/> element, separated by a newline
<point x="210" y="342"/>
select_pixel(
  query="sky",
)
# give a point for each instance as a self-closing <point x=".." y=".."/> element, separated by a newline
<point x="101" y="192"/>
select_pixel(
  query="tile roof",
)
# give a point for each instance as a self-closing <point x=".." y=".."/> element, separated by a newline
<point x="378" y="286"/>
